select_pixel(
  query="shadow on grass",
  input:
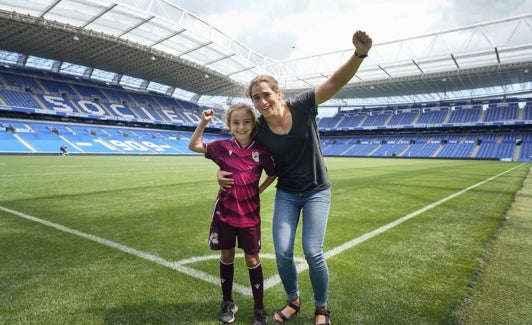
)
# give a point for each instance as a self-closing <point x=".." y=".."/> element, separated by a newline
<point x="194" y="313"/>
<point x="156" y="313"/>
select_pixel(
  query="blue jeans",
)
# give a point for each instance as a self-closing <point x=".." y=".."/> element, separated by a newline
<point x="287" y="208"/>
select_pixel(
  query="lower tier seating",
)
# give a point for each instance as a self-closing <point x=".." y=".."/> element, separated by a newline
<point x="30" y="136"/>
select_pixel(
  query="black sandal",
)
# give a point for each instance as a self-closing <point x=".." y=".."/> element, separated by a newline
<point x="282" y="316"/>
<point x="325" y="313"/>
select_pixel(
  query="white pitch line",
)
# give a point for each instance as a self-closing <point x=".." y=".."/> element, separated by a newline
<point x="339" y="249"/>
<point x="153" y="258"/>
<point x="352" y="243"/>
<point x="45" y="174"/>
<point x="245" y="290"/>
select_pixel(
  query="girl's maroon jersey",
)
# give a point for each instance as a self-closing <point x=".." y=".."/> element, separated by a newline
<point x="239" y="206"/>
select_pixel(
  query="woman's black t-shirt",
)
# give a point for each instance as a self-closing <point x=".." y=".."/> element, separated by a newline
<point x="298" y="158"/>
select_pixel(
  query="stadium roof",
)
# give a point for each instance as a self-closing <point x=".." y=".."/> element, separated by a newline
<point x="155" y="42"/>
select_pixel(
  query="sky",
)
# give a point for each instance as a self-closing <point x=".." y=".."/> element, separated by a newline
<point x="285" y="29"/>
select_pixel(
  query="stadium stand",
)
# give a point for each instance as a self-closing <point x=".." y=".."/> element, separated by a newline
<point x="89" y="118"/>
<point x="41" y="112"/>
<point x="484" y="129"/>
<point x="65" y="79"/>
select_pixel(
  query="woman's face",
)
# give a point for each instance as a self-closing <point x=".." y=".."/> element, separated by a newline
<point x="265" y="100"/>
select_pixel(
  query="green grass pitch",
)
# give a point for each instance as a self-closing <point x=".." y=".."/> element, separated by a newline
<point x="123" y="240"/>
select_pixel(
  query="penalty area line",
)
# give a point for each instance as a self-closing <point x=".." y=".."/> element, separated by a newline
<point x="301" y="265"/>
<point x="350" y="244"/>
<point x="129" y="250"/>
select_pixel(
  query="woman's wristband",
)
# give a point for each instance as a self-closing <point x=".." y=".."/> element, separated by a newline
<point x="361" y="56"/>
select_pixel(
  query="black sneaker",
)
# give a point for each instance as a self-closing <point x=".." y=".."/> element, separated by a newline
<point x="227" y="314"/>
<point x="260" y="317"/>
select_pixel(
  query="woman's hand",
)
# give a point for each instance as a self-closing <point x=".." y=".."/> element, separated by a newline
<point x="224" y="179"/>
<point x="362" y="42"/>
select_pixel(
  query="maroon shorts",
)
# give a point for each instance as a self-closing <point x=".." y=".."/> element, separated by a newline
<point x="224" y="236"/>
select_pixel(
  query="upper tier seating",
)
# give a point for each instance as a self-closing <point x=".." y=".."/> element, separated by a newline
<point x="61" y="96"/>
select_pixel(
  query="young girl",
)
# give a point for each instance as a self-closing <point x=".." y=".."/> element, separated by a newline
<point x="237" y="210"/>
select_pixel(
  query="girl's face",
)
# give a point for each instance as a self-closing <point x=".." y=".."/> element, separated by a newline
<point x="241" y="124"/>
<point x="265" y="99"/>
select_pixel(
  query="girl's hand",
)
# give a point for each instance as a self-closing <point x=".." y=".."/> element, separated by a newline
<point x="207" y="115"/>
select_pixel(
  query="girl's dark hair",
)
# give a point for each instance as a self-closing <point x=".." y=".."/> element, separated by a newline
<point x="238" y="106"/>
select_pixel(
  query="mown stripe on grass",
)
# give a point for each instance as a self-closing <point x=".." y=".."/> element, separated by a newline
<point x="339" y="249"/>
<point x="268" y="283"/>
<point x="126" y="249"/>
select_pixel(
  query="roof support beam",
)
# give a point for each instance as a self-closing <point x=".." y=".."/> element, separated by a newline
<point x="50" y="7"/>
<point x="384" y="70"/>
<point x="418" y="67"/>
<point x="497" y="55"/>
<point x="455" y="62"/>
<point x="219" y="59"/>
<point x="103" y="12"/>
<point x="194" y="49"/>
<point x="168" y="37"/>
<point x="140" y="23"/>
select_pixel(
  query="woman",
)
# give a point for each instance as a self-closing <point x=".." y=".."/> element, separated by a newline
<point x="289" y="130"/>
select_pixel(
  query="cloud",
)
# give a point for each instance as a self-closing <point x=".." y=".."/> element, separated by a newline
<point x="463" y="13"/>
<point x="283" y="29"/>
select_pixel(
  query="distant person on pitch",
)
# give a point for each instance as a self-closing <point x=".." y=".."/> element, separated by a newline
<point x="64" y="150"/>
<point x="236" y="212"/>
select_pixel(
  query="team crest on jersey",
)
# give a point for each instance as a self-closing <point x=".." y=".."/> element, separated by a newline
<point x="255" y="156"/>
<point x="213" y="239"/>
